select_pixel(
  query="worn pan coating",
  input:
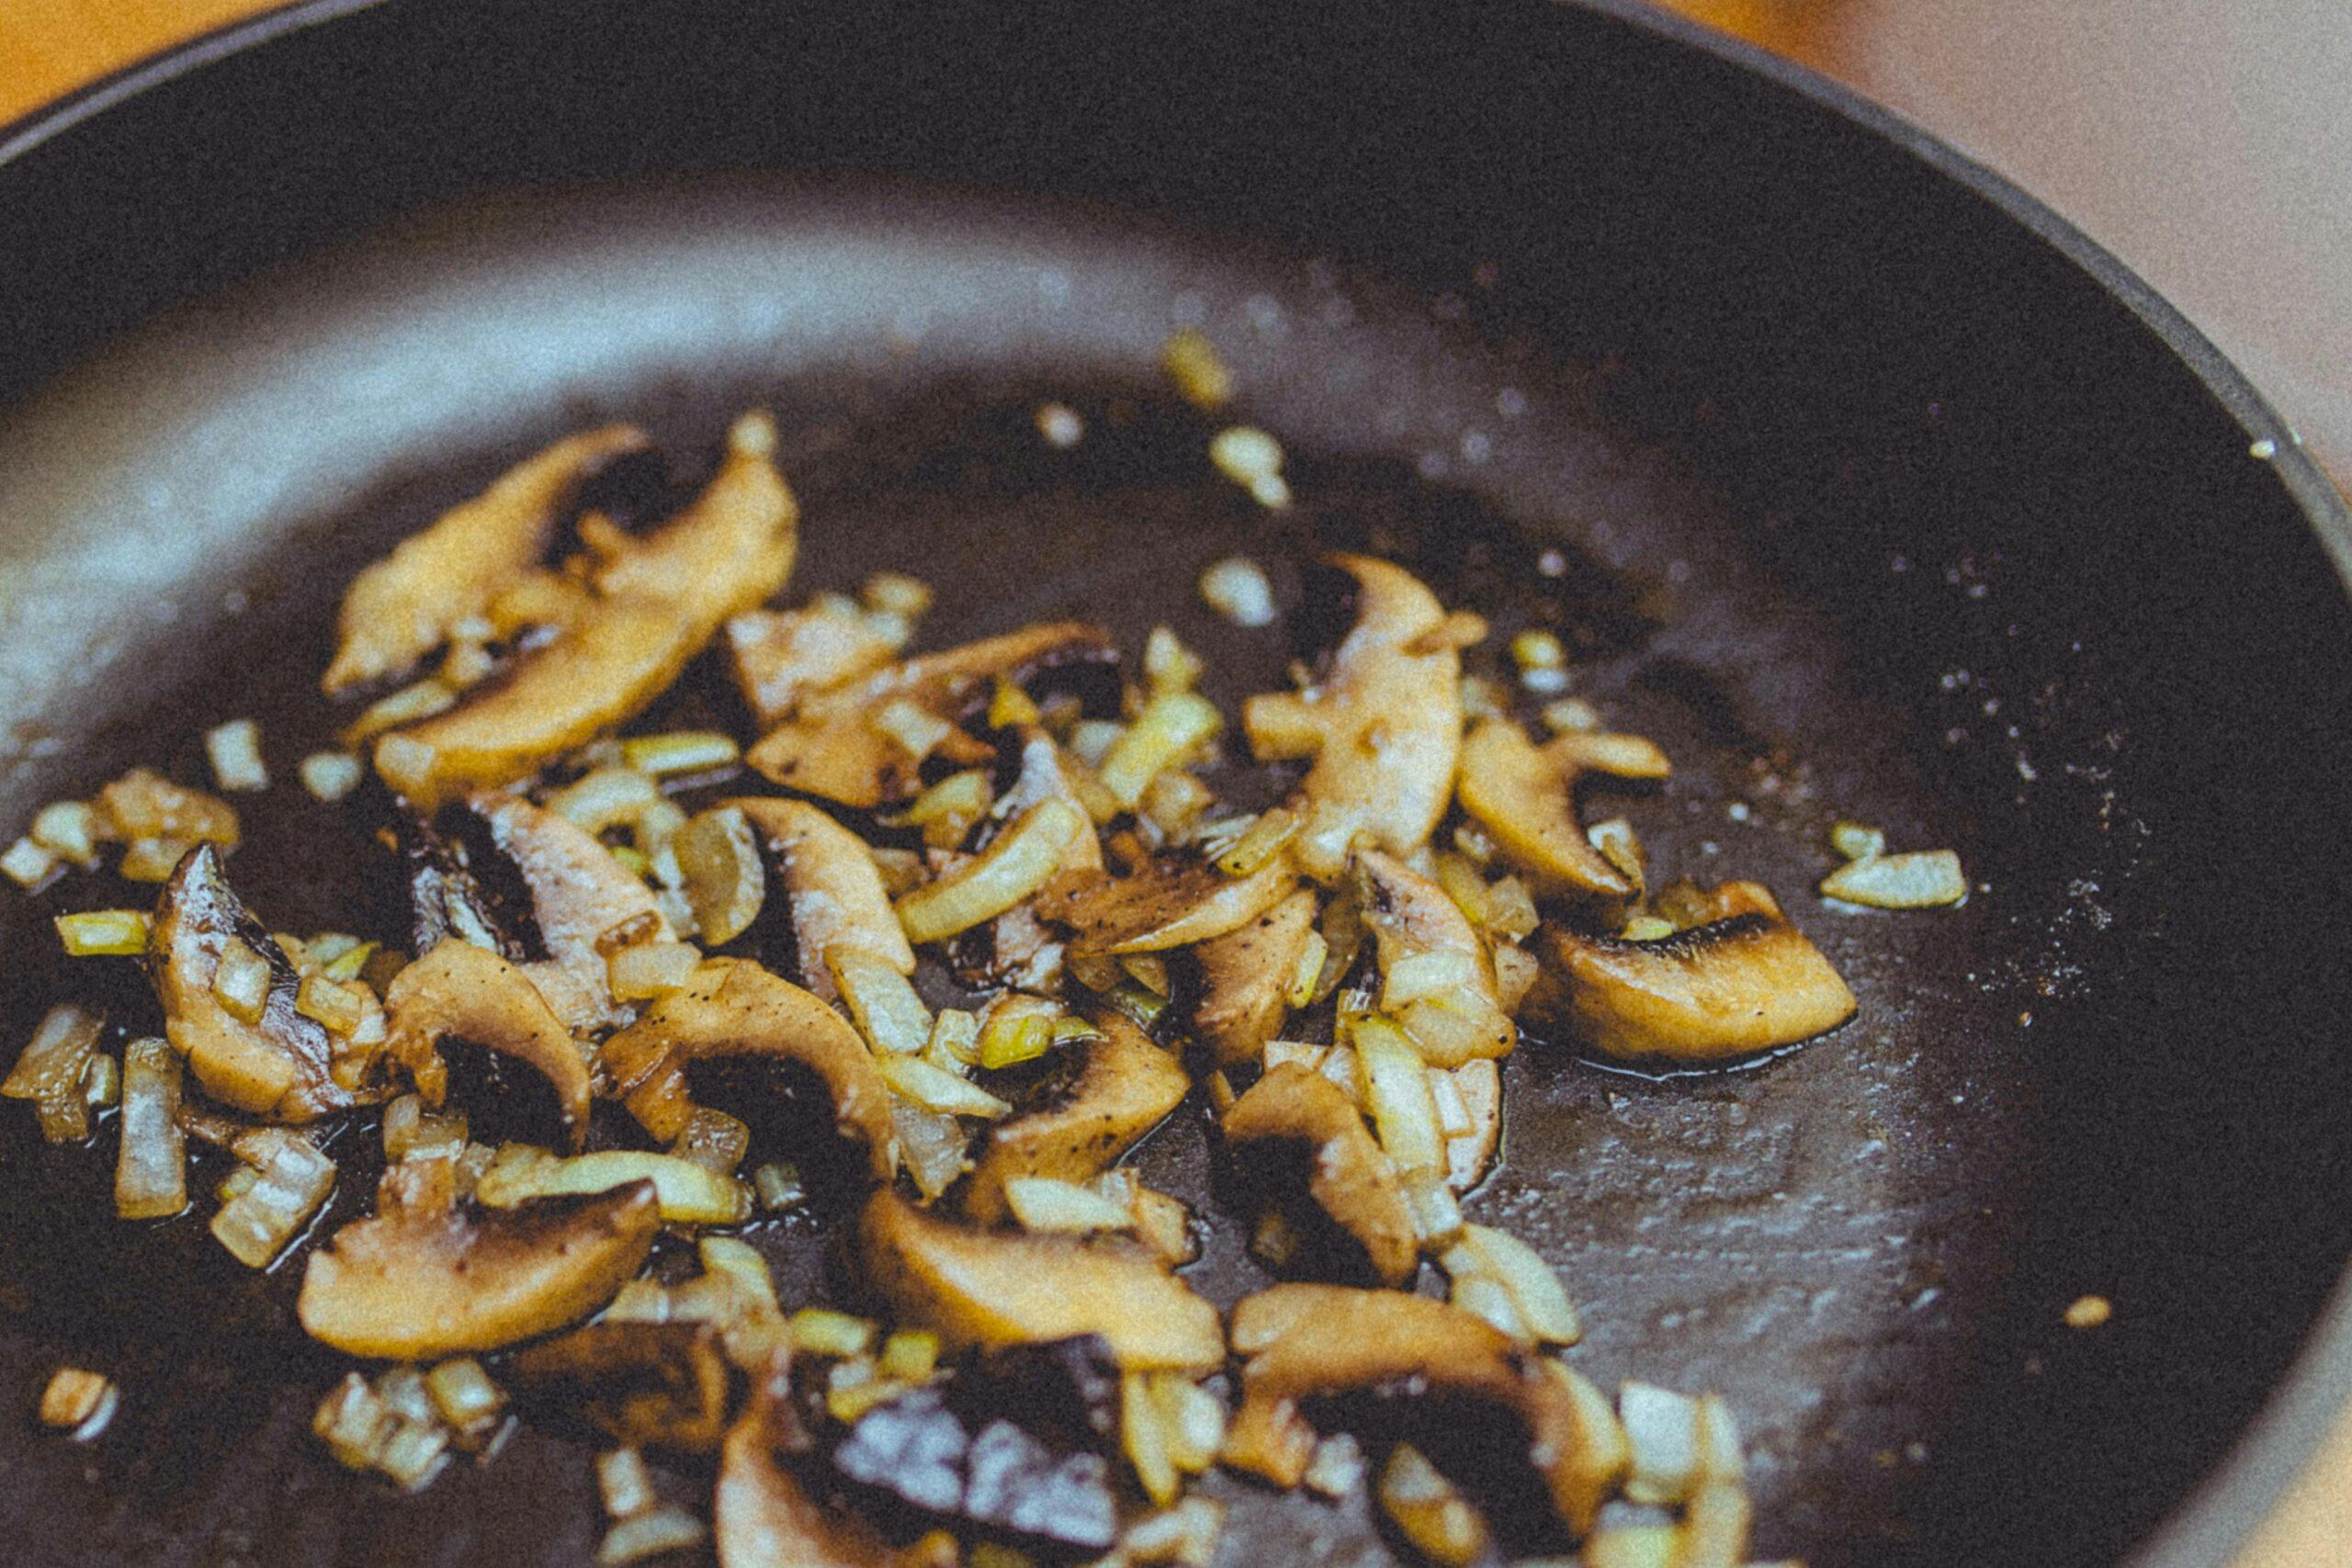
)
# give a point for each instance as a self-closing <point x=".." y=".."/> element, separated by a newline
<point x="1877" y="492"/>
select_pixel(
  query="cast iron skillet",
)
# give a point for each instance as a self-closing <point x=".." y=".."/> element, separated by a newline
<point x="1877" y="492"/>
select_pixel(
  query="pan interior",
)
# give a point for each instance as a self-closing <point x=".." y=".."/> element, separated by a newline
<point x="1867" y="1245"/>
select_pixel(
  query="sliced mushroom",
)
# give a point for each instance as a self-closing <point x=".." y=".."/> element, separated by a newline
<point x="1120" y="1086"/>
<point x="781" y="657"/>
<point x="831" y="746"/>
<point x="734" y="1009"/>
<point x="425" y="1279"/>
<point x="460" y="991"/>
<point x="1173" y="900"/>
<point x="1310" y="1342"/>
<point x="1524" y="796"/>
<point x="1437" y="979"/>
<point x="405" y="605"/>
<point x="1299" y="1117"/>
<point x="279" y="1065"/>
<point x="644" y="1383"/>
<point x="1383" y="724"/>
<point x="579" y="894"/>
<point x="835" y="889"/>
<point x="1247" y="976"/>
<point x="658" y="600"/>
<point x="997" y="1288"/>
<point x="1748" y="980"/>
<point x="761" y="1516"/>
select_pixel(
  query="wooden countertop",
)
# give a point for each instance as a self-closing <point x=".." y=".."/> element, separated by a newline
<point x="2268" y="273"/>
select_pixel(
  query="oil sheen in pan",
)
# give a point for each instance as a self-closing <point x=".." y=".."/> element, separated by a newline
<point x="1807" y="1238"/>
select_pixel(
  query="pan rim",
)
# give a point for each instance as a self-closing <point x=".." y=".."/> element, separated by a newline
<point x="2213" y="1520"/>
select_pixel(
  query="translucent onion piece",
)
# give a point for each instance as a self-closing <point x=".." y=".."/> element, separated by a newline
<point x="1185" y="1535"/>
<point x="1530" y="1307"/>
<point x="331" y="775"/>
<point x="714" y="1140"/>
<point x="235" y="750"/>
<point x="1020" y="861"/>
<point x="1663" y="1427"/>
<point x="932" y="1146"/>
<point x="651" y="969"/>
<point x="1193" y="364"/>
<point x="1921" y="879"/>
<point x="936" y="1089"/>
<point x="464" y="1395"/>
<point x="681" y="751"/>
<point x="1265" y="838"/>
<point x="70" y="829"/>
<point x="151" y="1169"/>
<point x="27" y="865"/>
<point x="51" y="1072"/>
<point x="78" y="1402"/>
<point x="650" y="1534"/>
<point x="624" y="1483"/>
<point x="104" y="933"/>
<point x="1395" y="1089"/>
<point x="1429" y="1513"/>
<point x="1857" y="840"/>
<point x="882" y="1001"/>
<point x="1045" y="1203"/>
<point x="1170" y="727"/>
<point x="725" y="880"/>
<point x="686" y="1194"/>
<point x="294" y="1179"/>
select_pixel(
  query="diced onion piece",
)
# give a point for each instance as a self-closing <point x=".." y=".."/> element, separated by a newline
<point x="1237" y="589"/>
<point x="1010" y="706"/>
<point x="143" y="804"/>
<point x="896" y="593"/>
<point x="916" y="731"/>
<point x="353" y="1423"/>
<point x="1715" y="1529"/>
<point x="725" y="880"/>
<point x="1060" y="425"/>
<point x="1633" y="1545"/>
<point x="936" y="1089"/>
<point x="347" y="964"/>
<point x="1721" y="1459"/>
<point x="78" y="1402"/>
<point x="882" y="1002"/>
<point x="152" y="860"/>
<point x="681" y="751"/>
<point x="464" y="1395"/>
<point x="605" y="798"/>
<point x="686" y="1192"/>
<point x="656" y="826"/>
<point x="932" y="1146"/>
<point x="909" y="1356"/>
<point x="955" y="1037"/>
<point x="1436" y="973"/>
<point x="1185" y="1535"/>
<point x="651" y="969"/>
<point x="234" y="748"/>
<point x="341" y="1009"/>
<point x="1253" y="459"/>
<point x="411" y="1132"/>
<point x="1308" y="975"/>
<point x="331" y="775"/>
<point x="1142" y="1432"/>
<point x="1646" y="928"/>
<point x="1428" y="1512"/>
<point x="1021" y="860"/>
<point x="1149" y="970"/>
<point x="1921" y="879"/>
<point x="1516" y="972"/>
<point x="1045" y="1203"/>
<point x="624" y="1483"/>
<point x="1168" y="664"/>
<point x="27" y="865"/>
<point x="293" y="1179"/>
<point x="1396" y="1089"/>
<point x="1532" y="1307"/>
<point x="1511" y="911"/>
<point x="778" y="1185"/>
<point x="1621" y="847"/>
<point x="101" y="1082"/>
<point x="1174" y="800"/>
<point x="50" y="1072"/>
<point x="820" y="1332"/>
<point x="1193" y="363"/>
<point x="1091" y="740"/>
<point x="1572" y="716"/>
<point x="70" y="829"/>
<point x="410" y="704"/>
<point x="946" y="811"/>
<point x="1857" y="840"/>
<point x="713" y="1140"/>
<point x="650" y="1534"/>
<point x="1019" y="1028"/>
<point x="1168" y="729"/>
<point x="1437" y="1214"/>
<point x="104" y="933"/>
<point x="1264" y="840"/>
<point x="1663" y="1427"/>
<point x="1537" y="649"/>
<point x="1338" y="1466"/>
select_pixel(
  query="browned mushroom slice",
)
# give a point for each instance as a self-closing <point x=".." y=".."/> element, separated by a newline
<point x="1118" y="1086"/>
<point x="658" y="600"/>
<point x="1437" y="979"/>
<point x="426" y="1278"/>
<point x="1309" y="1342"/>
<point x="835" y="889"/>
<point x="1247" y="976"/>
<point x="997" y="1288"/>
<point x="734" y="1009"/>
<point x="1383" y="724"/>
<point x="405" y="605"/>
<point x="1745" y="981"/>
<point x="833" y="746"/>
<point x="1301" y="1118"/>
<point x="1524" y="796"/>
<point x="651" y="1384"/>
<point x="761" y="1516"/>
<point x="460" y="991"/>
<point x="783" y="656"/>
<point x="274" y="1062"/>
<point x="579" y="894"/>
<point x="1170" y="901"/>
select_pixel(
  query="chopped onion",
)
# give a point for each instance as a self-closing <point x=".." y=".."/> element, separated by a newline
<point x="650" y="1534"/>
<point x="1437" y="973"/>
<point x="104" y="933"/>
<point x="234" y="748"/>
<point x="1663" y="1427"/>
<point x="1168" y="664"/>
<point x="1174" y="800"/>
<point x="1437" y="1215"/>
<point x="1338" y="1466"/>
<point x="101" y="1082"/>
<point x="1045" y="1203"/>
<point x="1429" y="1513"/>
<point x="1253" y="459"/>
<point x="917" y="732"/>
<point x="27" y="865"/>
<point x="1621" y="847"/>
<point x="152" y="860"/>
<point x="1715" y="1529"/>
<point x="911" y="1355"/>
<point x="651" y="969"/>
<point x="1237" y="589"/>
<point x="353" y="1423"/>
<point x="410" y="704"/>
<point x="896" y="593"/>
<point x="464" y="1395"/>
<point x="1019" y="1028"/>
<point x="240" y="981"/>
<point x="1170" y="727"/>
<point x="687" y="1194"/>
<point x="820" y="1332"/>
<point x="882" y="1002"/>
<point x="411" y="1132"/>
<point x="1265" y="838"/>
<point x="1920" y="879"/>
<point x="725" y="881"/>
<point x="1632" y="1546"/>
<point x="1537" y="649"/>
<point x="1059" y="424"/>
<point x="77" y="1402"/>
<point x="778" y="1185"/>
<point x="293" y="1179"/>
<point x="1396" y="1089"/>
<point x="713" y="1140"/>
<point x="341" y="1009"/>
<point x="1510" y="912"/>
<point x="1572" y="716"/>
<point x="1646" y="928"/>
<point x="932" y="1146"/>
<point x="955" y="1037"/>
<point x="1507" y="1282"/>
<point x="936" y="1089"/>
<point x="1185" y="1535"/>
<point x="624" y="1483"/>
<point x="605" y="798"/>
<point x="1143" y="1432"/>
<point x="50" y="1072"/>
<point x="946" y="811"/>
<point x="1857" y="840"/>
<point x="1194" y="364"/>
<point x="1021" y="860"/>
<point x="681" y="751"/>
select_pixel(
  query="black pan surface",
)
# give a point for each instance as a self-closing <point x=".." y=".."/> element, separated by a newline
<point x="1863" y="499"/>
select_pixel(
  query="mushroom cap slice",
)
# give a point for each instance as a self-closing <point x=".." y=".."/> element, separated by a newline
<point x="403" y="606"/>
<point x="279" y="1065"/>
<point x="462" y="991"/>
<point x="578" y="892"/>
<point x="1745" y="981"/>
<point x="1170" y="901"/>
<point x="761" y="1516"/>
<point x="1247" y="977"/>
<point x="1524" y="796"/>
<point x="424" y="1278"/>
<point x="1383" y="725"/>
<point x="829" y="747"/>
<point x="658" y="600"/>
<point x="997" y="1288"/>
<point x="735" y="1009"/>
<point x="1411" y="916"/>
<point x="1318" y="1341"/>
<point x="1348" y="1179"/>
<point x="1123" y="1087"/>
<point x="835" y="888"/>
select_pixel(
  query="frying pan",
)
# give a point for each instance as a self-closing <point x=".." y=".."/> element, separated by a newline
<point x="1870" y="491"/>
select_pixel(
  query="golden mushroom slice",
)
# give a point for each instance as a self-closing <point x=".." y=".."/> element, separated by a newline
<point x="463" y="992"/>
<point x="656" y="602"/>
<point x="733" y="1009"/>
<point x="251" y="1048"/>
<point x="403" y="608"/>
<point x="782" y="656"/>
<point x="1295" y="1118"/>
<point x="834" y="887"/>
<point x="1383" y="724"/>
<point x="1437" y="979"/>
<point x="1309" y="1342"/>
<point x="1745" y="981"/>
<point x="426" y="1278"/>
<point x="1172" y="900"/>
<point x="579" y="894"/>
<point x="1524" y="796"/>
<point x="997" y="1288"/>
<point x="1250" y="978"/>
<point x="850" y="743"/>
<point x="1117" y="1087"/>
<point x="761" y="1516"/>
